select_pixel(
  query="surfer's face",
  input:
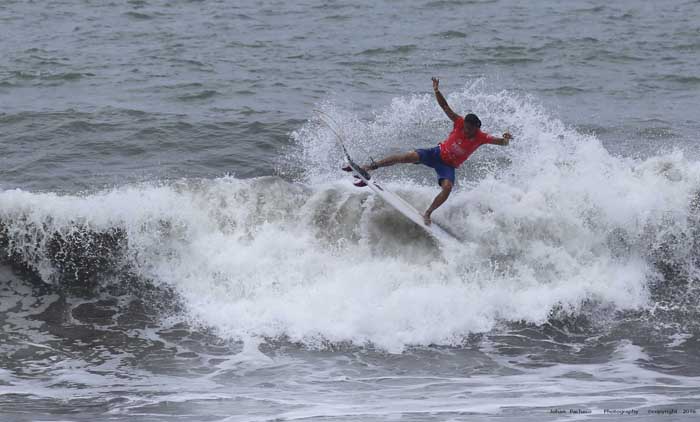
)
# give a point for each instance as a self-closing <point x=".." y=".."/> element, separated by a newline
<point x="469" y="130"/>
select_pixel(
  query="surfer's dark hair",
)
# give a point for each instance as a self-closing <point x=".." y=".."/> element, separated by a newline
<point x="473" y="120"/>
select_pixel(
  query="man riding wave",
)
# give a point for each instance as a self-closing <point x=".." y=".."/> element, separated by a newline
<point x="465" y="138"/>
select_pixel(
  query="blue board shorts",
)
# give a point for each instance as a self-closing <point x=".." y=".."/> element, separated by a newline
<point x="431" y="157"/>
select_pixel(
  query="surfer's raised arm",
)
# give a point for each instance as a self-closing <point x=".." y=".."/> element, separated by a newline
<point x="442" y="101"/>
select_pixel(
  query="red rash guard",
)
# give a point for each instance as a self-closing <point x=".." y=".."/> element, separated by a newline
<point x="457" y="148"/>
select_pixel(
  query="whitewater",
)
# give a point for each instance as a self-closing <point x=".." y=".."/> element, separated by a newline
<point x="552" y="226"/>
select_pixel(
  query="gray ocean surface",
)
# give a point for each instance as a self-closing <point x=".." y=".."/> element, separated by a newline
<point x="177" y="241"/>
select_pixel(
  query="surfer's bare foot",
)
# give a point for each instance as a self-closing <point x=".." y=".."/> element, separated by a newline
<point x="426" y="219"/>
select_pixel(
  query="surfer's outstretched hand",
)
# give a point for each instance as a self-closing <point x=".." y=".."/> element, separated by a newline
<point x="426" y="218"/>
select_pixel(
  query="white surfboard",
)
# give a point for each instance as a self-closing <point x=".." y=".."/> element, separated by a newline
<point x="397" y="202"/>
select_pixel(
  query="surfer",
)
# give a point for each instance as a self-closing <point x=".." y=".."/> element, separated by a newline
<point x="465" y="138"/>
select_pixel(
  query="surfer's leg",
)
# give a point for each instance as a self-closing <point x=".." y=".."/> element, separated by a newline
<point x="405" y="158"/>
<point x="446" y="185"/>
<point x="446" y="179"/>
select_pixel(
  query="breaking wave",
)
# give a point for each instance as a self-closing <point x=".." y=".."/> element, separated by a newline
<point x="554" y="224"/>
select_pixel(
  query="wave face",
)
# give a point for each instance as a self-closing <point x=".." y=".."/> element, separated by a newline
<point x="553" y="225"/>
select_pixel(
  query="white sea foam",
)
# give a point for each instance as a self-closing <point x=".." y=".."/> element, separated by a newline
<point x="559" y="222"/>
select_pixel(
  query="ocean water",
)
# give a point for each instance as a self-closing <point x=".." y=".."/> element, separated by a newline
<point x="178" y="242"/>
